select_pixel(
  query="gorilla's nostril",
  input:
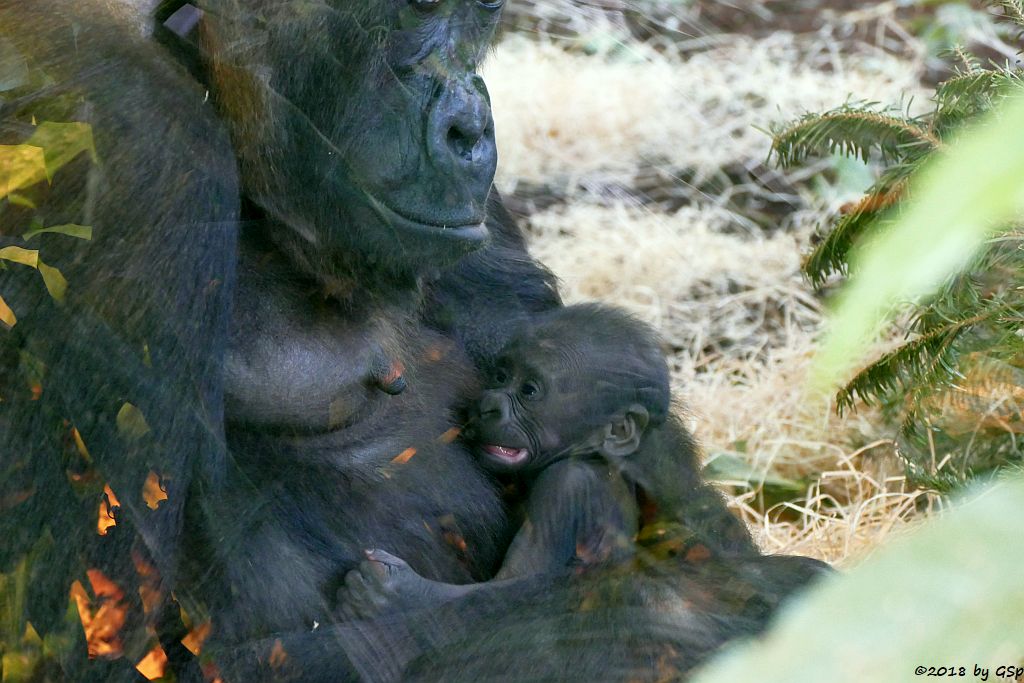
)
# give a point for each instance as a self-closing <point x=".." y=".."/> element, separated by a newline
<point x="461" y="144"/>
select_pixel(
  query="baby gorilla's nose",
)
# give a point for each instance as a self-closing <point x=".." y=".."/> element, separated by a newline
<point x="494" y="405"/>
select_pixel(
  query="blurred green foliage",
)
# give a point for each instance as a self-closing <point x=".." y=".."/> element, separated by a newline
<point x="956" y="381"/>
<point x="946" y="596"/>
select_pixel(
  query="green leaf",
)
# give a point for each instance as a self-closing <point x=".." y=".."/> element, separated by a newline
<point x="950" y="594"/>
<point x="62" y="142"/>
<point x="20" y="200"/>
<point x="13" y="69"/>
<point x="131" y="423"/>
<point x="82" y="232"/>
<point x="724" y="466"/>
<point x="829" y="256"/>
<point x="928" y="362"/>
<point x="962" y="93"/>
<point x="958" y="198"/>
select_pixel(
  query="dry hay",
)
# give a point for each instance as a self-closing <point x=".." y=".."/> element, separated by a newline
<point x="712" y="293"/>
<point x="738" y="319"/>
<point x="562" y="116"/>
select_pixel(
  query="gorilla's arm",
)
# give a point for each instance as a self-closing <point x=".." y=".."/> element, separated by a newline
<point x="675" y="498"/>
<point x="652" y="623"/>
<point x="143" y="324"/>
<point x="579" y="513"/>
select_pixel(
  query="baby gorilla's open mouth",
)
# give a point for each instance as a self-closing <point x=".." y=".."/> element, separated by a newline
<point x="506" y="454"/>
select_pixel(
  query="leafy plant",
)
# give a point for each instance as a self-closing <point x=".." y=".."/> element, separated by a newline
<point x="956" y="381"/>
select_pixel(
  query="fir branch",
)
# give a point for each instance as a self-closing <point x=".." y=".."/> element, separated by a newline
<point x="1013" y="10"/>
<point x="927" y="363"/>
<point x="878" y="200"/>
<point x="852" y="131"/>
<point x="969" y="94"/>
<point x="968" y="61"/>
<point x="992" y="278"/>
<point x="830" y="255"/>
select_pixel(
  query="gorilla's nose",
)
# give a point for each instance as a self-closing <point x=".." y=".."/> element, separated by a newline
<point x="461" y="127"/>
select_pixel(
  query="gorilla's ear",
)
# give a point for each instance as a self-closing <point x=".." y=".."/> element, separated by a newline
<point x="623" y="433"/>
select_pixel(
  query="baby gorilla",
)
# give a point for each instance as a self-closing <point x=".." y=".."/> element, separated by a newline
<point x="566" y="406"/>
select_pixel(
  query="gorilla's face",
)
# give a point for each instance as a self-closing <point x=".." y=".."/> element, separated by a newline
<point x="373" y="138"/>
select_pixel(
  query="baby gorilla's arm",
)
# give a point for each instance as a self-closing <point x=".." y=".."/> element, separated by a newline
<point x="578" y="513"/>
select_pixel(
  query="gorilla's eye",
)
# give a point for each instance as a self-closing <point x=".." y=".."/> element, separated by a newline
<point x="425" y="5"/>
<point x="499" y="376"/>
<point x="529" y="390"/>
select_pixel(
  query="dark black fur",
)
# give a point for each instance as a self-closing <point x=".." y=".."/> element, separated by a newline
<point x="226" y="329"/>
<point x="574" y="419"/>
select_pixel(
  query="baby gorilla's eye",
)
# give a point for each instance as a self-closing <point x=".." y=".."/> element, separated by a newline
<point x="499" y="376"/>
<point x="529" y="389"/>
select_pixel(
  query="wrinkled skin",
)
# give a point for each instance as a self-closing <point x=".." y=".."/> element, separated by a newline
<point x="295" y="267"/>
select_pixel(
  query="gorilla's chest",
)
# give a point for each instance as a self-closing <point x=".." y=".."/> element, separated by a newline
<point x="317" y="422"/>
<point x="296" y="364"/>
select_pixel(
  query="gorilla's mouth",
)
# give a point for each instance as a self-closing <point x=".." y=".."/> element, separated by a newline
<point x="471" y="229"/>
<point x="512" y="456"/>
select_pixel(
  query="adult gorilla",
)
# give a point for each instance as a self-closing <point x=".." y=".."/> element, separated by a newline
<point x="293" y="267"/>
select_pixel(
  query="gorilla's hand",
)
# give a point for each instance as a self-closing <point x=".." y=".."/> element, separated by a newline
<point x="383" y="583"/>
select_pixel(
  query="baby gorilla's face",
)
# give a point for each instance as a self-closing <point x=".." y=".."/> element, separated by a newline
<point x="532" y="411"/>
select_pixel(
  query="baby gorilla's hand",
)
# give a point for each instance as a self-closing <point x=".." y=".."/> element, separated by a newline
<point x="381" y="583"/>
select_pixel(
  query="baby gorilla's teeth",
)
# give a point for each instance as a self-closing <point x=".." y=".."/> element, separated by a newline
<point x="506" y="453"/>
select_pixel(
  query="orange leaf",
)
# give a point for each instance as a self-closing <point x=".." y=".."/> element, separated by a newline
<point x="153" y="491"/>
<point x="193" y="642"/>
<point x="106" y="519"/>
<point x="154" y="664"/>
<point x="404" y="457"/>
<point x="450" y="435"/>
<point x="103" y="618"/>
<point x="278" y="656"/>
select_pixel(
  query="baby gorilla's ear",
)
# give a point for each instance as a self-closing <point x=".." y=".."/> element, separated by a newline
<point x="622" y="434"/>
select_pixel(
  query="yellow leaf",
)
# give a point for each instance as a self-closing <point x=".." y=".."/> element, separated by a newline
<point x="20" y="166"/>
<point x="82" y="232"/>
<point x="131" y="423"/>
<point x="7" y="316"/>
<point x="26" y="257"/>
<point x="55" y="283"/>
<point x="80" y="444"/>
